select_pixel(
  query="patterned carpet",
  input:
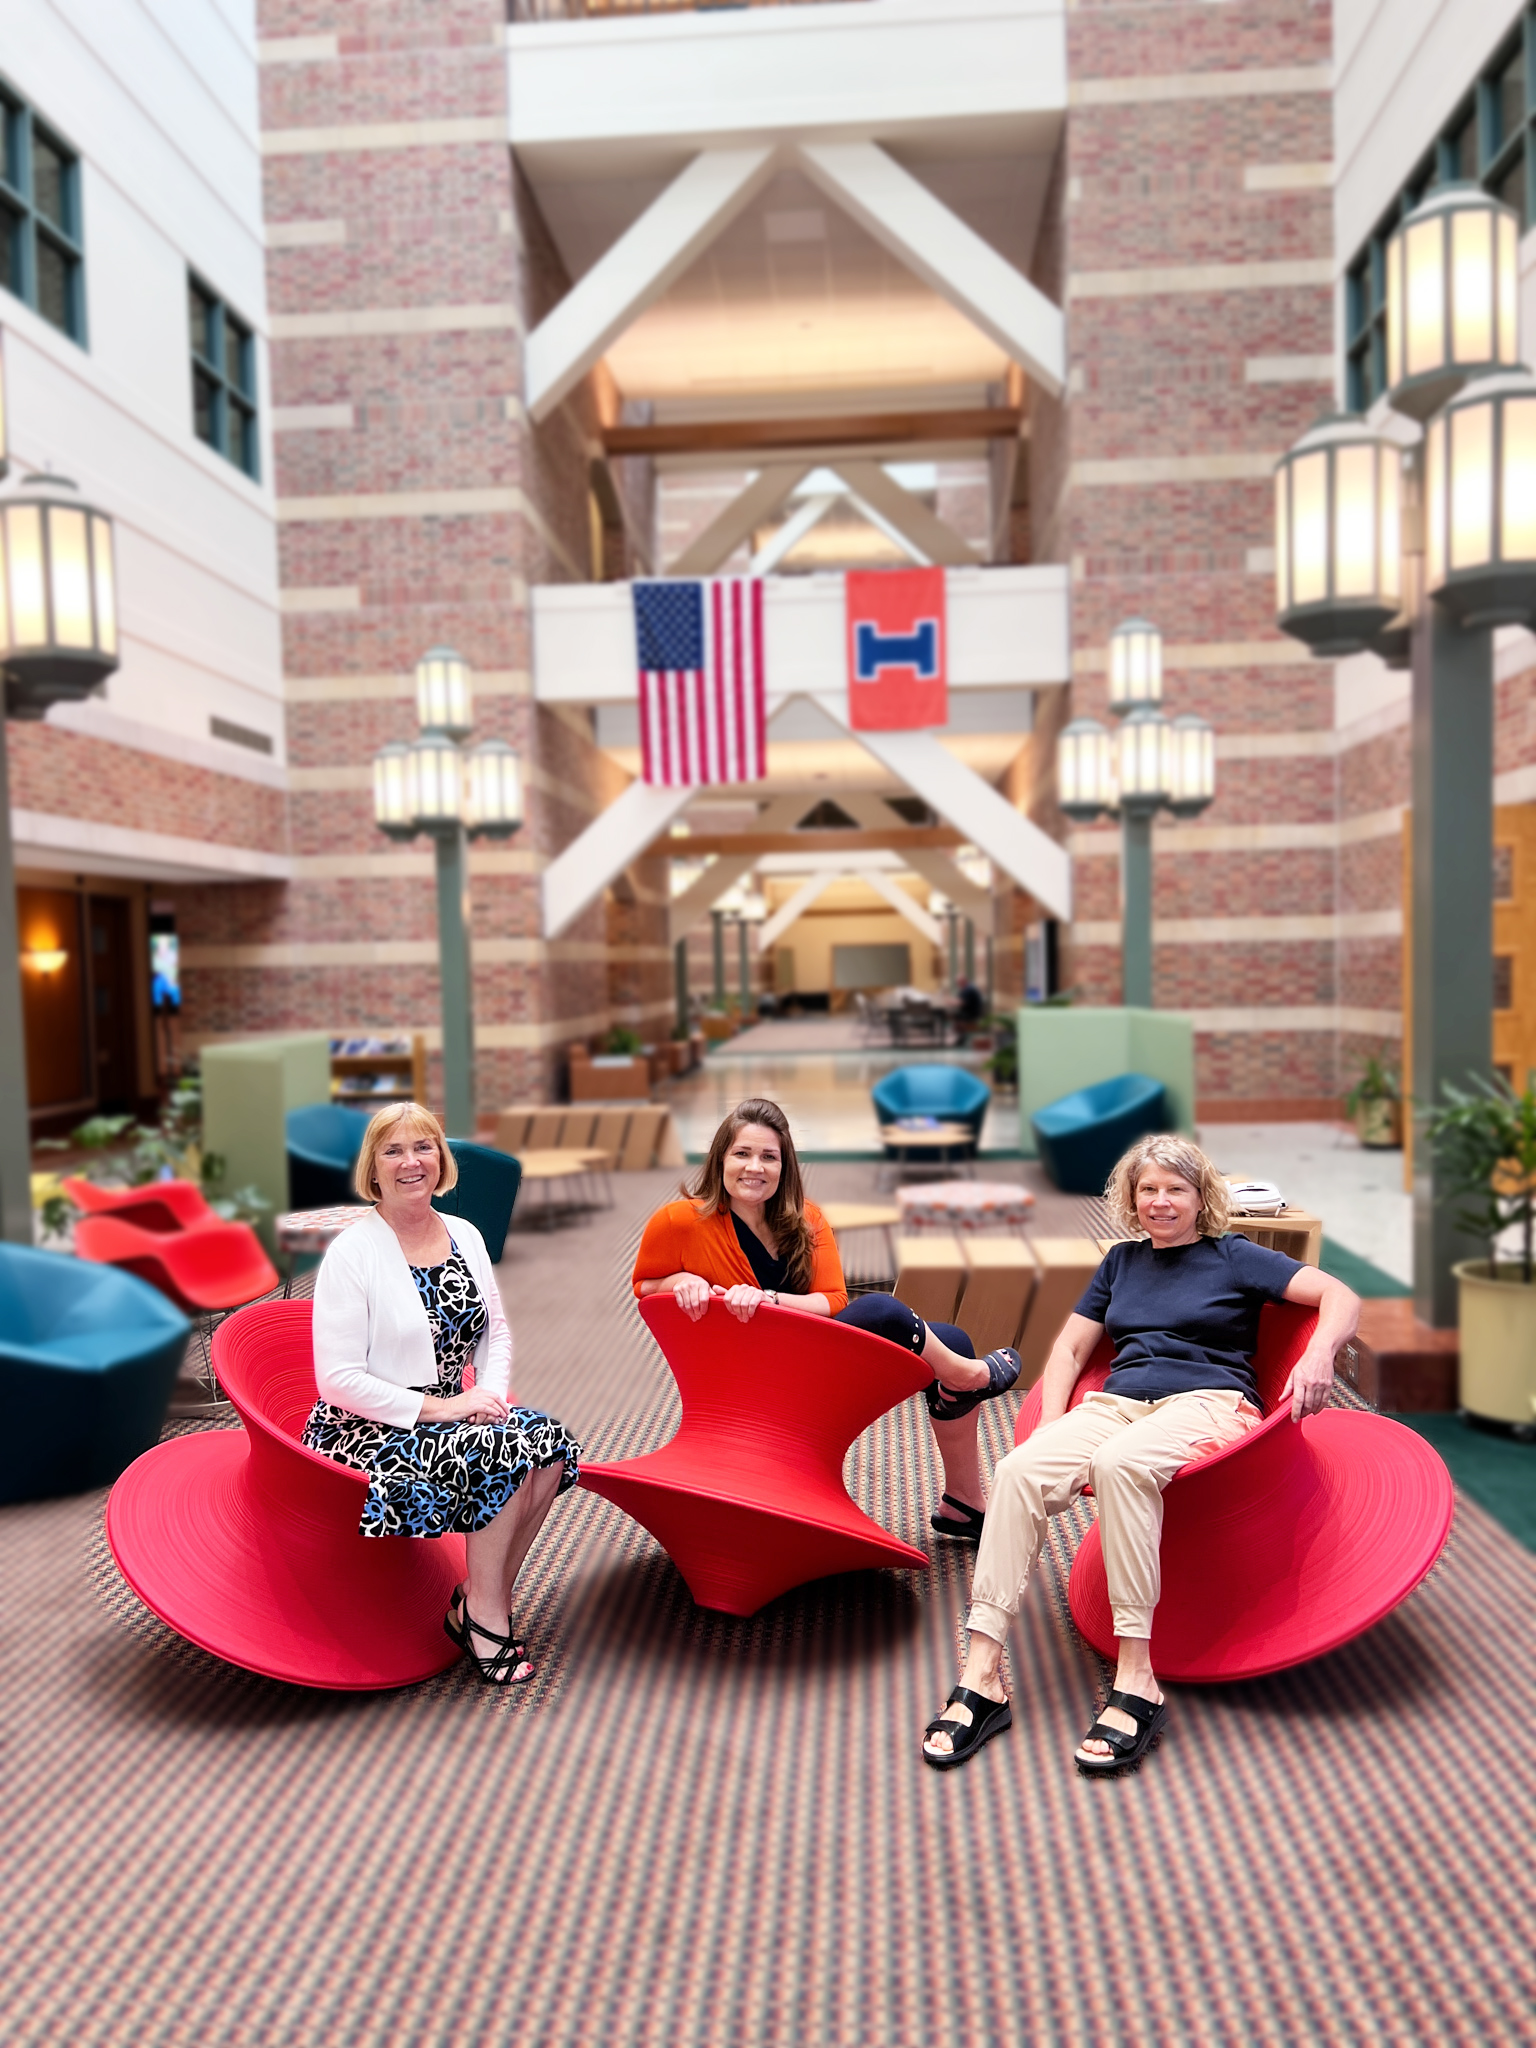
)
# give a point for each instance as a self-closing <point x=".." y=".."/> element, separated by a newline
<point x="693" y="1829"/>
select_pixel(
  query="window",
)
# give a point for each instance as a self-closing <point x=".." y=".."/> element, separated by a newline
<point x="223" y="379"/>
<point x="42" y="262"/>
<point x="1487" y="141"/>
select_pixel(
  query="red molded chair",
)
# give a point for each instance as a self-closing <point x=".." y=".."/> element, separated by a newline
<point x="1280" y="1546"/>
<point x="748" y="1498"/>
<point x="160" y="1205"/>
<point x="247" y="1544"/>
<point x="216" y="1267"/>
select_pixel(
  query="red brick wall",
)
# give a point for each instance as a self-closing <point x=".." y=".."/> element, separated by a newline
<point x="446" y="225"/>
<point x="73" y="775"/>
<point x="1158" y="183"/>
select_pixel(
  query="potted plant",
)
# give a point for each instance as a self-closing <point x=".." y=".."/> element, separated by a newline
<point x="1485" y="1138"/>
<point x="1375" y="1107"/>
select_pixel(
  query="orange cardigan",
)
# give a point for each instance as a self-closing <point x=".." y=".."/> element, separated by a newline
<point x="679" y="1240"/>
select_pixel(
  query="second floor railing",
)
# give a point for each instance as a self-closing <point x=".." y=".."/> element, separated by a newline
<point x="583" y="10"/>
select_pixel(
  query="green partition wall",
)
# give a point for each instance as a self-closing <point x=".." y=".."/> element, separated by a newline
<point x="248" y="1089"/>
<point x="1067" y="1048"/>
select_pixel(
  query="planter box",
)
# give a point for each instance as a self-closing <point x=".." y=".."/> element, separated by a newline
<point x="1379" y="1124"/>
<point x="717" y="1028"/>
<point x="1498" y="1344"/>
<point x="609" y="1079"/>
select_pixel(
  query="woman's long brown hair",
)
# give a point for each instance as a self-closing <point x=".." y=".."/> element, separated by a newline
<point x="784" y="1211"/>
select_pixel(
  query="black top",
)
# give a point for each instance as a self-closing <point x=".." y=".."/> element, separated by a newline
<point x="770" y="1273"/>
<point x="1185" y="1318"/>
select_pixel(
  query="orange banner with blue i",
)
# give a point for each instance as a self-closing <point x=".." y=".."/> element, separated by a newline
<point x="897" y="676"/>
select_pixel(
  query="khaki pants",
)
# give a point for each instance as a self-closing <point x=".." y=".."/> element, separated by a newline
<point x="1128" y="1451"/>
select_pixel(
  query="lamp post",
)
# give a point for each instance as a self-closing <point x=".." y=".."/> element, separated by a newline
<point x="58" y="642"/>
<point x="1150" y="764"/>
<point x="433" y="785"/>
<point x="1467" y="564"/>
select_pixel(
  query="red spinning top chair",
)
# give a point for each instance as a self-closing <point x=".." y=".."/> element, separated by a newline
<point x="248" y="1545"/>
<point x="748" y="1498"/>
<point x="1282" y="1545"/>
<point x="206" y="1271"/>
<point x="160" y="1205"/>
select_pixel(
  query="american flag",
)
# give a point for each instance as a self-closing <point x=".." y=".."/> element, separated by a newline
<point x="703" y="710"/>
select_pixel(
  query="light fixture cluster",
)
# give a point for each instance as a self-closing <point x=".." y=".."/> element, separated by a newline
<point x="1367" y="521"/>
<point x="431" y="783"/>
<point x="1151" y="762"/>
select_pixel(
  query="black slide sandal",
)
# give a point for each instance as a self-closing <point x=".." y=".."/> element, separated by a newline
<point x="988" y="1718"/>
<point x="1149" y="1716"/>
<point x="948" y="1404"/>
<point x="967" y="1530"/>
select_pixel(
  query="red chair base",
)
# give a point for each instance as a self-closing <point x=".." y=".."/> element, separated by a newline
<point x="248" y="1544"/>
<point x="736" y="1555"/>
<point x="1361" y="1531"/>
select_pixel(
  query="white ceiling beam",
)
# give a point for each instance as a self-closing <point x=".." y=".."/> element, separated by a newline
<point x="773" y="928"/>
<point x="583" y="871"/>
<point x="905" y="905"/>
<point x="960" y="796"/>
<point x="943" y="874"/>
<point x="737" y="522"/>
<point x="878" y="492"/>
<point x="646" y="258"/>
<point x="934" y="242"/>
<point x="697" y="901"/>
<point x="792" y="532"/>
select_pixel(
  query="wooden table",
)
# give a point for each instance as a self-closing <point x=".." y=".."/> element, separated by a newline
<point x="551" y="1170"/>
<point x="936" y="1147"/>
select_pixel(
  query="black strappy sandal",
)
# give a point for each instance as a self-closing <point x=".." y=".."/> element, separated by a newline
<point x="510" y="1652"/>
<point x="453" y="1626"/>
<point x="988" y="1718"/>
<point x="967" y="1530"/>
<point x="948" y="1404"/>
<point x="1149" y="1716"/>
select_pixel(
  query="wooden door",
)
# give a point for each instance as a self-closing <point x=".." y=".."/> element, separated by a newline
<point x="54" y="979"/>
<point x="1514" y="941"/>
<point x="114" y="1033"/>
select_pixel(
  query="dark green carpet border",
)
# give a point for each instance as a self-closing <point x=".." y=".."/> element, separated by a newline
<point x="1494" y="1470"/>
<point x="1368" y="1281"/>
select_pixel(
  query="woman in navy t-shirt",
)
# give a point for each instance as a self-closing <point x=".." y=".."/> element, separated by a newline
<point x="1181" y="1300"/>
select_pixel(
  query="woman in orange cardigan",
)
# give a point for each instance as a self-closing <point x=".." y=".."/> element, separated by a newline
<point x="744" y="1233"/>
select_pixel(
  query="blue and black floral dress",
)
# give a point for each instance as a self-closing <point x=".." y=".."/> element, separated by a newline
<point x="443" y="1476"/>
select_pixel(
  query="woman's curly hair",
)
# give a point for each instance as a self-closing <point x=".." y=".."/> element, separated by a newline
<point x="1175" y="1155"/>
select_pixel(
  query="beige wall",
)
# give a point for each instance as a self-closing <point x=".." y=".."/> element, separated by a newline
<point x="852" y="914"/>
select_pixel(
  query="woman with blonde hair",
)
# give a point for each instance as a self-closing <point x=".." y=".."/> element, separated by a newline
<point x="1181" y="1298"/>
<point x="405" y="1300"/>
<point x="743" y="1232"/>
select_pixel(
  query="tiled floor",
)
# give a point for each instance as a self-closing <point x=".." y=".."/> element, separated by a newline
<point x="824" y="1091"/>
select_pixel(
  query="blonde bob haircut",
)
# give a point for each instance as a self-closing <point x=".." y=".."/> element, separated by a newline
<point x="1175" y="1155"/>
<point x="402" y="1118"/>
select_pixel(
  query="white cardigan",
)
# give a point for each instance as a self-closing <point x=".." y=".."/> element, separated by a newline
<point x="373" y="1345"/>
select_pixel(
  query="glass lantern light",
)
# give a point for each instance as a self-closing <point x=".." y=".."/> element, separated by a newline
<point x="1480" y="502"/>
<point x="58" y="596"/>
<point x="435" y="781"/>
<point x="1338" y="536"/>
<point x="394" y="796"/>
<point x="1144" y="768"/>
<point x="1192" y="759"/>
<point x="493" y="791"/>
<point x="1085" y="770"/>
<point x="1452" y="297"/>
<point x="1135" y="665"/>
<point x="444" y="693"/>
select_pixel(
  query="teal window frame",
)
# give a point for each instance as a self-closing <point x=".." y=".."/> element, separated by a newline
<point x="42" y="247"/>
<point x="225" y="415"/>
<point x="1473" y="139"/>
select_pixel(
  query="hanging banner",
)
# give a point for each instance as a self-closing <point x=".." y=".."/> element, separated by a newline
<point x="897" y="675"/>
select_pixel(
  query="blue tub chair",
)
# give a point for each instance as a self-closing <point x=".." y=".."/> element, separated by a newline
<point x="1082" y="1135"/>
<point x="484" y="1193"/>
<point x="953" y="1095"/>
<point x="324" y="1140"/>
<point x="88" y="1358"/>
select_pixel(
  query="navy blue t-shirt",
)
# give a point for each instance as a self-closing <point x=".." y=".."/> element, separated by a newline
<point x="1186" y="1318"/>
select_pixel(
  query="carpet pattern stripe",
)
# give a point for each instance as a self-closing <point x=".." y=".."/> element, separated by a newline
<point x="695" y="1829"/>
